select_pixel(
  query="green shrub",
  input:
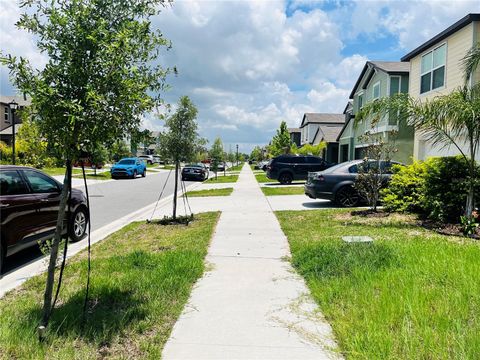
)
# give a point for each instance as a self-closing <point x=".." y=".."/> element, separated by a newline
<point x="436" y="188"/>
<point x="446" y="188"/>
<point x="406" y="189"/>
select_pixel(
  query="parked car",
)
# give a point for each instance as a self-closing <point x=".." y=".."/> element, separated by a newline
<point x="149" y="159"/>
<point x="261" y="165"/>
<point x="29" y="203"/>
<point x="157" y="160"/>
<point x="286" y="168"/>
<point x="337" y="183"/>
<point x="197" y="172"/>
<point x="221" y="166"/>
<point x="128" y="167"/>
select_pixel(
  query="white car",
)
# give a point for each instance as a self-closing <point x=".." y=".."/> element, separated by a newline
<point x="147" y="158"/>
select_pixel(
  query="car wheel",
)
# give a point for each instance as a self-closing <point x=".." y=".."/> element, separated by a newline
<point x="347" y="196"/>
<point x="144" y="173"/>
<point x="78" y="224"/>
<point x="285" y="178"/>
<point x="134" y="174"/>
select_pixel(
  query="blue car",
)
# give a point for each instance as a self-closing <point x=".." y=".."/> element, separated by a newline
<point x="128" y="167"/>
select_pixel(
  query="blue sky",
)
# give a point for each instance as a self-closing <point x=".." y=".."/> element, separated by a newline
<point x="248" y="65"/>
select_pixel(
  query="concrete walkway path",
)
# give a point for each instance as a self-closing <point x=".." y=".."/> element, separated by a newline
<point x="251" y="304"/>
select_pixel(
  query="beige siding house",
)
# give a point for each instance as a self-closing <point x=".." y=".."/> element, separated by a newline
<point x="435" y="69"/>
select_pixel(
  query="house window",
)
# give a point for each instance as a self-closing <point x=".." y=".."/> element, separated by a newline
<point x="394" y="85"/>
<point x="360" y="101"/>
<point x="6" y="114"/>
<point x="376" y="91"/>
<point x="433" y="69"/>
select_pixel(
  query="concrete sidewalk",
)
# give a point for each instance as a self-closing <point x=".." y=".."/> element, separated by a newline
<point x="251" y="305"/>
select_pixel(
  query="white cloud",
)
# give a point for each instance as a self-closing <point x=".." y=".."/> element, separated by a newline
<point x="247" y="65"/>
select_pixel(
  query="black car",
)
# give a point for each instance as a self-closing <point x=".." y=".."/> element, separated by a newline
<point x="286" y="168"/>
<point x="29" y="204"/>
<point x="198" y="172"/>
<point x="337" y="183"/>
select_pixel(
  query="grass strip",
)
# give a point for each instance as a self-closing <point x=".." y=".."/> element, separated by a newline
<point x="223" y="179"/>
<point x="142" y="276"/>
<point x="287" y="190"/>
<point x="262" y="178"/>
<point x="100" y="176"/>
<point x="411" y="294"/>
<point x="210" y="192"/>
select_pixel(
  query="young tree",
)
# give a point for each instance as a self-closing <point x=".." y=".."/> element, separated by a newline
<point x="144" y="137"/>
<point x="371" y="172"/>
<point x="315" y="150"/>
<point x="216" y="154"/>
<point x="97" y="83"/>
<point x="31" y="143"/>
<point x="179" y="141"/>
<point x="118" y="150"/>
<point x="281" y="142"/>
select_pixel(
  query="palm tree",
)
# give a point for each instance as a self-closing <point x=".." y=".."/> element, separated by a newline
<point x="446" y="120"/>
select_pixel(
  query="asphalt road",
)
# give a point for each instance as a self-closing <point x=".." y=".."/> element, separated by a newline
<point x="110" y="201"/>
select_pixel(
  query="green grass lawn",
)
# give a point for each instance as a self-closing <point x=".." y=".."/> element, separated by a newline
<point x="236" y="168"/>
<point x="61" y="171"/>
<point x="223" y="179"/>
<point x="262" y="178"/>
<point x="141" y="279"/>
<point x="412" y="294"/>
<point x="210" y="192"/>
<point x="100" y="176"/>
<point x="287" y="190"/>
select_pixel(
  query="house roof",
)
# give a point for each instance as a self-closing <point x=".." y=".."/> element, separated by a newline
<point x="5" y="99"/>
<point x="443" y="35"/>
<point x="8" y="130"/>
<point x="390" y="67"/>
<point x="294" y="130"/>
<point x="328" y="132"/>
<point x="322" y="118"/>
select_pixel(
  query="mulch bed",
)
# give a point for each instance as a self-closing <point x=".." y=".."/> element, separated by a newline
<point x="369" y="213"/>
<point x="446" y="229"/>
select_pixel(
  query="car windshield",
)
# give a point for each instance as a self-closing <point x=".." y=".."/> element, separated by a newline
<point x="127" y="162"/>
<point x="195" y="165"/>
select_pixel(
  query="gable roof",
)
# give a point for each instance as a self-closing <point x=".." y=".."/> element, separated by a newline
<point x="293" y="130"/>
<point x="390" y="67"/>
<point x="443" y="35"/>
<point x="5" y="99"/>
<point x="322" y="118"/>
<point x="328" y="132"/>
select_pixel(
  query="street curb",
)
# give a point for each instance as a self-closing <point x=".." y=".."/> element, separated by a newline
<point x="15" y="278"/>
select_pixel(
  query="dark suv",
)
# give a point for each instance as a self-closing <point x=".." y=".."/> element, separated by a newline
<point x="29" y="203"/>
<point x="286" y="168"/>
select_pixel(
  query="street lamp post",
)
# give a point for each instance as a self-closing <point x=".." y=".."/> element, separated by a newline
<point x="237" y="154"/>
<point x="13" y="107"/>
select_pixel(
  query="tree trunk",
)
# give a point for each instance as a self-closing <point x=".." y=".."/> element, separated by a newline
<point x="175" y="191"/>
<point x="47" y="298"/>
<point x="471" y="184"/>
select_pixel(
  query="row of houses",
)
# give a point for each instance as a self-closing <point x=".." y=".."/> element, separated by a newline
<point x="433" y="68"/>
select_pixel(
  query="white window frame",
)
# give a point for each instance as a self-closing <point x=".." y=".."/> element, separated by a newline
<point x="433" y="69"/>
<point x="361" y="94"/>
<point x="373" y="91"/>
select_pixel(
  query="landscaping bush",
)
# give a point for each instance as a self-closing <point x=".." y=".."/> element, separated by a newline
<point x="446" y="188"/>
<point x="406" y="190"/>
<point x="436" y="188"/>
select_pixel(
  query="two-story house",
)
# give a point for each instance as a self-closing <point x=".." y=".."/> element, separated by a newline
<point x="316" y="128"/>
<point x="436" y="69"/>
<point x="378" y="79"/>
<point x="6" y="116"/>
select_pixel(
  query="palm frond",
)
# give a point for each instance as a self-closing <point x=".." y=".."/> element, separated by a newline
<point x="471" y="61"/>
